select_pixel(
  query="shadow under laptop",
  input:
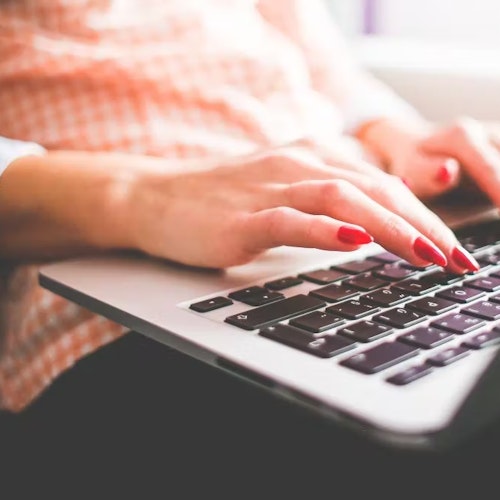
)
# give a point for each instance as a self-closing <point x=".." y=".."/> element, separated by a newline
<point x="137" y="410"/>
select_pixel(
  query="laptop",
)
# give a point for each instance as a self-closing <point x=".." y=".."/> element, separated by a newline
<point x="407" y="356"/>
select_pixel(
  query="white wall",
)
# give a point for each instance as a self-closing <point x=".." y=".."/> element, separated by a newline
<point x="469" y="21"/>
<point x="348" y="15"/>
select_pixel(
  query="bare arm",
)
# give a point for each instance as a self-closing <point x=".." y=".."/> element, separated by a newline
<point x="65" y="203"/>
<point x="334" y="70"/>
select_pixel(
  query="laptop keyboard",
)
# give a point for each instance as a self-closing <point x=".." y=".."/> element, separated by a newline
<point x="416" y="310"/>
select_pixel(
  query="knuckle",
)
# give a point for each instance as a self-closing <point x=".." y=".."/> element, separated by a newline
<point x="315" y="228"/>
<point x="337" y="189"/>
<point x="292" y="159"/>
<point x="274" y="219"/>
<point x="276" y="158"/>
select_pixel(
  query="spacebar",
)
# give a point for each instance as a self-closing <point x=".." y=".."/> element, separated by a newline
<point x="277" y="311"/>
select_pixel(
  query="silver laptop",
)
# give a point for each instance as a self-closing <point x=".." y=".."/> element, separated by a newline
<point x="405" y="355"/>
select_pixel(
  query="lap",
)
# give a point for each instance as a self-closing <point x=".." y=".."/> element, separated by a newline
<point x="136" y="405"/>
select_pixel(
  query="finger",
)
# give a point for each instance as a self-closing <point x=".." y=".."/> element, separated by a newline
<point x="469" y="143"/>
<point x="341" y="200"/>
<point x="400" y="200"/>
<point x="287" y="165"/>
<point x="286" y="226"/>
<point x="436" y="174"/>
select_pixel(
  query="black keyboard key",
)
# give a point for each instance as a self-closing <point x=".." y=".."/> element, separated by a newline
<point x="241" y="295"/>
<point x="458" y="323"/>
<point x="324" y="347"/>
<point x="393" y="272"/>
<point x="488" y="260"/>
<point x="380" y="357"/>
<point x="210" y="304"/>
<point x="496" y="273"/>
<point x="485" y="310"/>
<point x="261" y="298"/>
<point x="386" y="257"/>
<point x="431" y="305"/>
<point x="495" y="297"/>
<point x="277" y="311"/>
<point x="483" y="339"/>
<point x="352" y="309"/>
<point x="415" y="286"/>
<point x="461" y="294"/>
<point x="399" y="317"/>
<point x="387" y="297"/>
<point x="441" y="278"/>
<point x="283" y="283"/>
<point x="365" y="282"/>
<point x="448" y="356"/>
<point x="426" y="337"/>
<point x="323" y="276"/>
<point x="486" y="283"/>
<point x="410" y="374"/>
<point x="477" y="243"/>
<point x="365" y="331"/>
<point x="334" y="293"/>
<point x="317" y="321"/>
<point x="413" y="267"/>
<point x="357" y="266"/>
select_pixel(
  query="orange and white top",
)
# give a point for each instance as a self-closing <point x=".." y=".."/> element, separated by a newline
<point x="171" y="78"/>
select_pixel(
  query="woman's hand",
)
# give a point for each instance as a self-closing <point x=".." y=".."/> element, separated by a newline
<point x="229" y="215"/>
<point x="435" y="159"/>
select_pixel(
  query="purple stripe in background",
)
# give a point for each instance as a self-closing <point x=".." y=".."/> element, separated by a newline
<point x="370" y="8"/>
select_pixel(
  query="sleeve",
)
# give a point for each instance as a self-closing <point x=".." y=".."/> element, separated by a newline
<point x="11" y="149"/>
<point x="334" y="71"/>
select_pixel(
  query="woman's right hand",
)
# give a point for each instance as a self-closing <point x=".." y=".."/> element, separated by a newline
<point x="230" y="214"/>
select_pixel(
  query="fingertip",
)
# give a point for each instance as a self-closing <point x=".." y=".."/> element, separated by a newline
<point x="429" y="252"/>
<point x="464" y="259"/>
<point x="354" y="235"/>
<point x="448" y="171"/>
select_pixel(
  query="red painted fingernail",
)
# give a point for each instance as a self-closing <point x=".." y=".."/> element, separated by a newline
<point x="353" y="235"/>
<point x="464" y="259"/>
<point x="429" y="252"/>
<point x="443" y="175"/>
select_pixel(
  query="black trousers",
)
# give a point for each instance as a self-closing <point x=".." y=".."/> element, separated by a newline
<point x="137" y="414"/>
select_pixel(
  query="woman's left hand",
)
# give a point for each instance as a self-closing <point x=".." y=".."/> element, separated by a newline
<point x="435" y="159"/>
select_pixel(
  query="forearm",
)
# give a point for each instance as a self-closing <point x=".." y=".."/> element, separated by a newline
<point x="334" y="71"/>
<point x="65" y="203"/>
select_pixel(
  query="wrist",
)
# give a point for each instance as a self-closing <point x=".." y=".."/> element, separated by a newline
<point x="64" y="203"/>
<point x="388" y="138"/>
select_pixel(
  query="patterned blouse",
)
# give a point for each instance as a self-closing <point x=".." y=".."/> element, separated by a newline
<point x="171" y="78"/>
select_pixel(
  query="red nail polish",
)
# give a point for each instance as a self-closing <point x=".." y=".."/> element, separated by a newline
<point x="429" y="252"/>
<point x="464" y="259"/>
<point x="353" y="235"/>
<point x="443" y="175"/>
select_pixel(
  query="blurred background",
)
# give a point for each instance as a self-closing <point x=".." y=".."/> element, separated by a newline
<point x="463" y="21"/>
<point x="441" y="55"/>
